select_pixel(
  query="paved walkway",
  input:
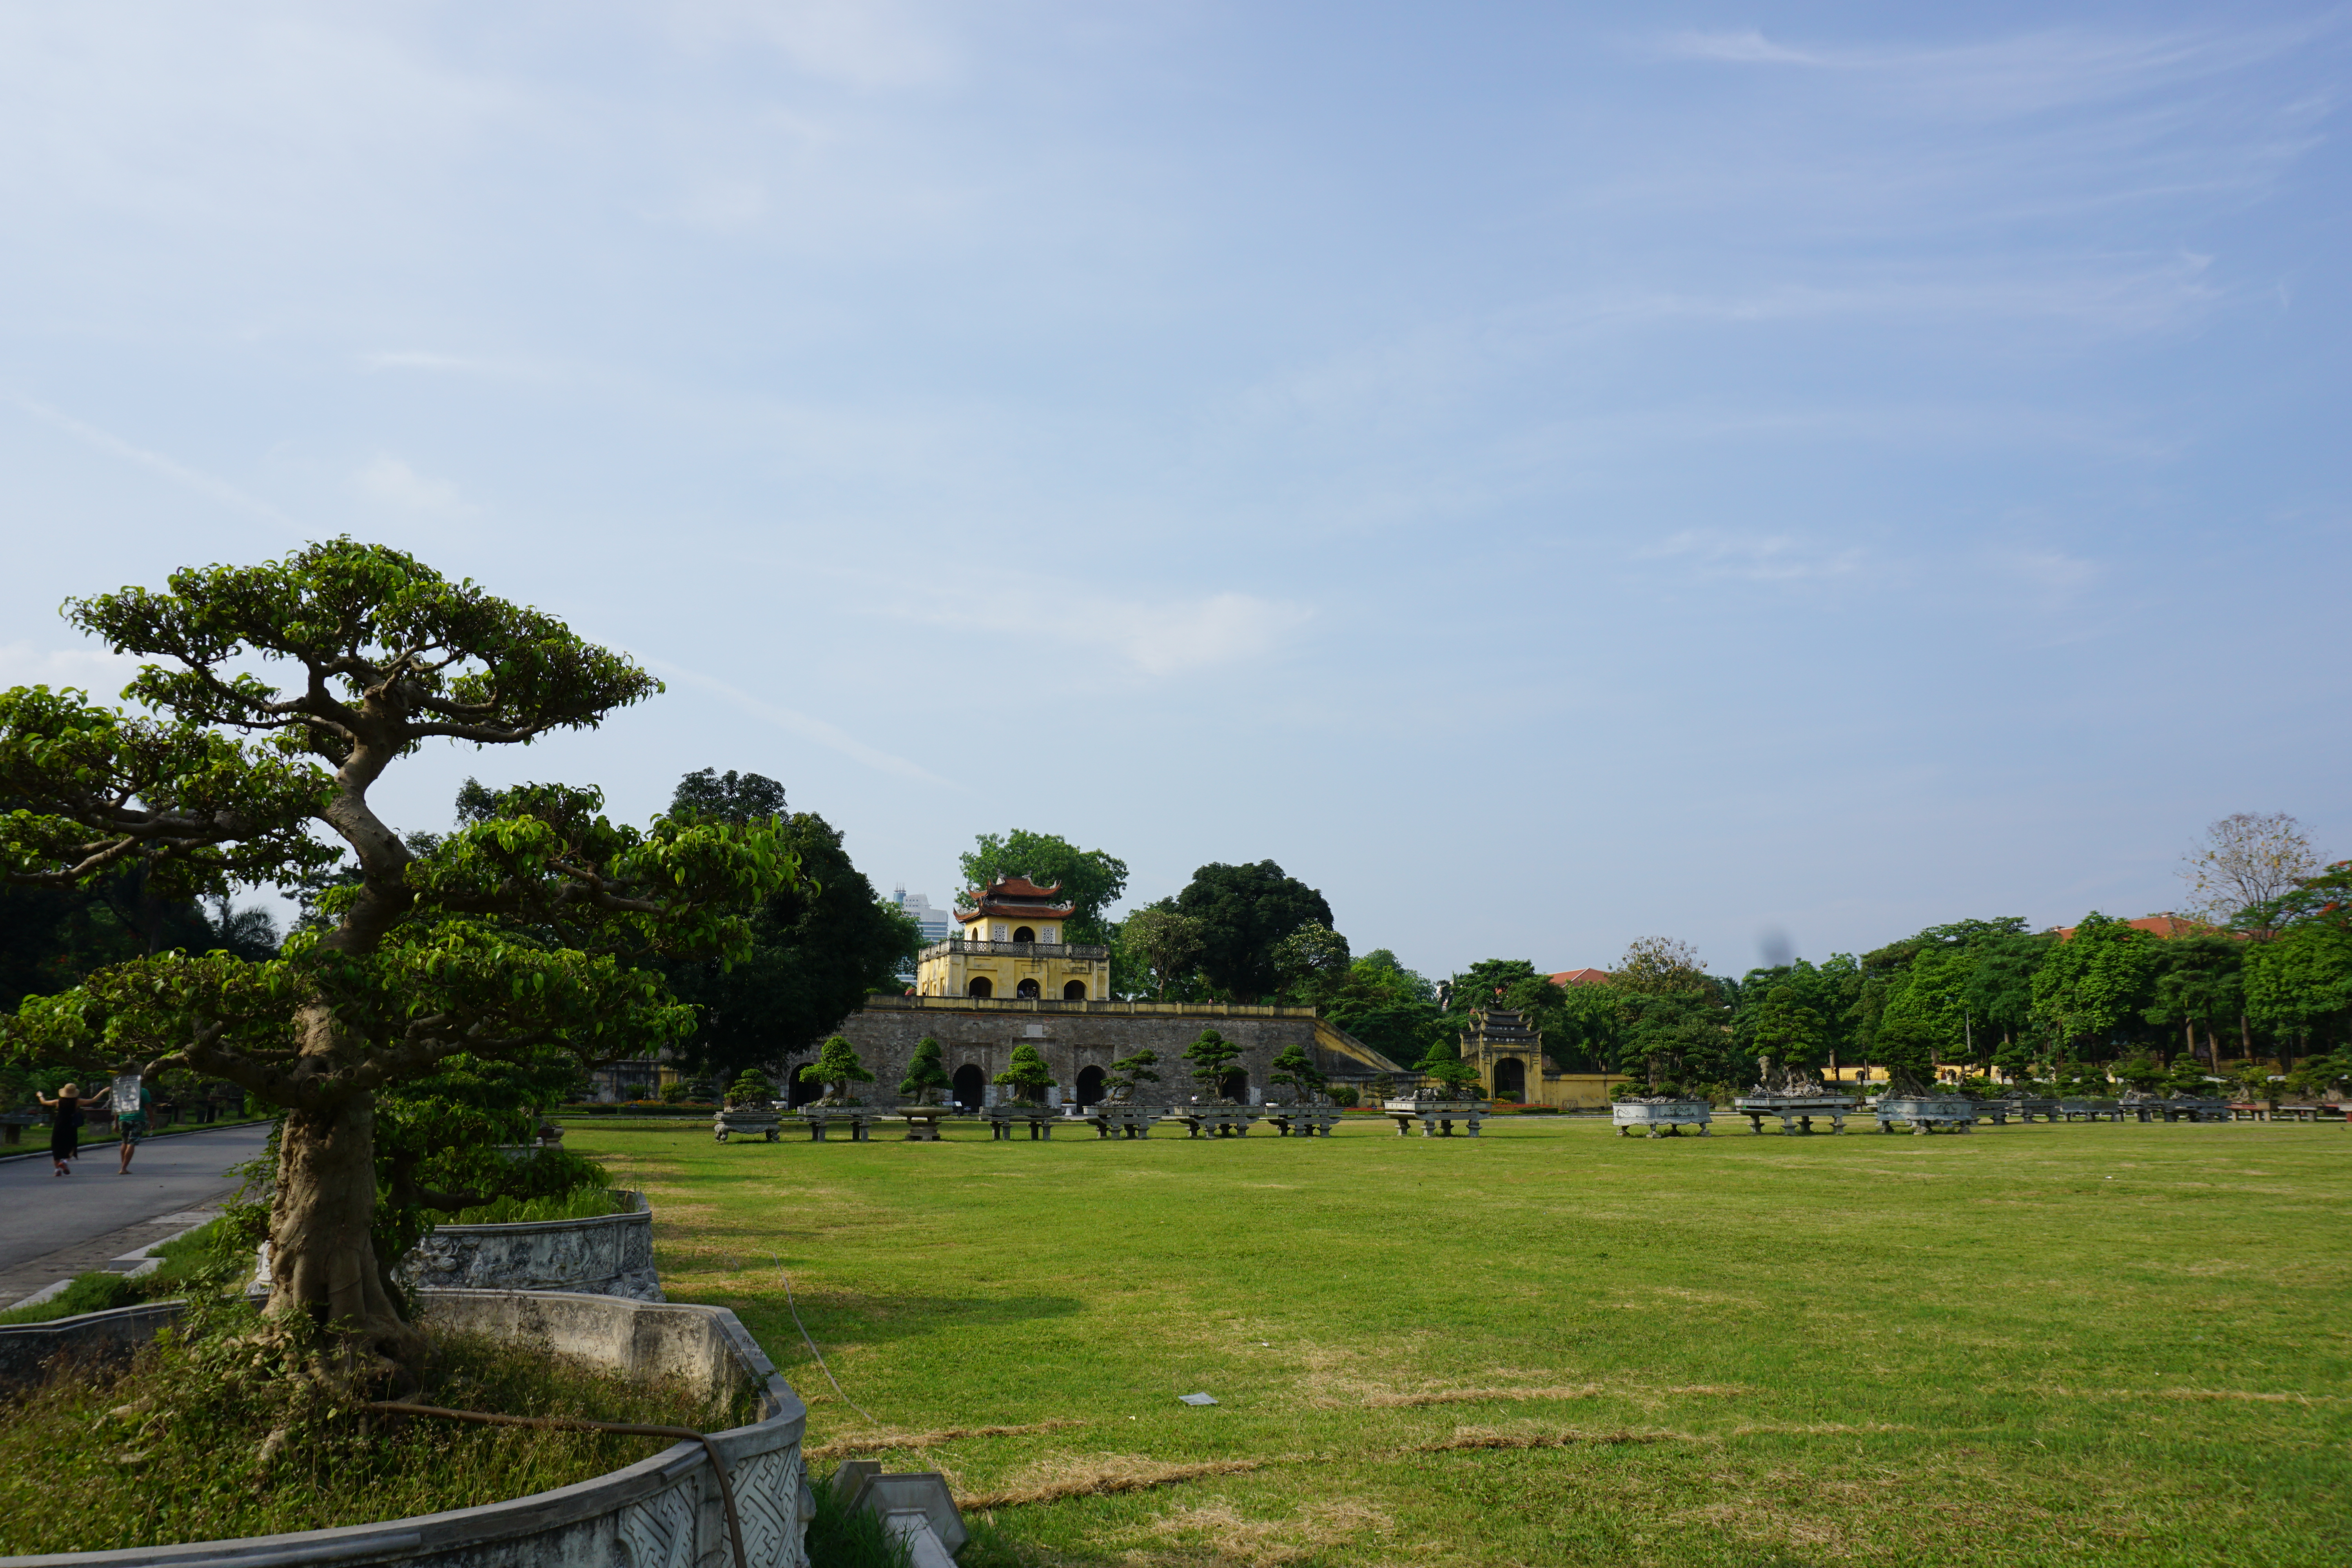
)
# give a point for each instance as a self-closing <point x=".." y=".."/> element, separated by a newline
<point x="53" y="1227"/>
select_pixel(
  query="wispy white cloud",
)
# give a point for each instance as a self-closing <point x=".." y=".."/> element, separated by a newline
<point x="1155" y="637"/>
<point x="210" y="485"/>
<point x="388" y="480"/>
<point x="809" y="728"/>
<point x="1755" y="557"/>
<point x="860" y="43"/>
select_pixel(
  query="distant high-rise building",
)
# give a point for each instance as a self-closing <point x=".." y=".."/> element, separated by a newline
<point x="936" y="923"/>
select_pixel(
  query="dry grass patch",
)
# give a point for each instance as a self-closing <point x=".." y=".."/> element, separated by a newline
<point x="1468" y="1438"/>
<point x="1099" y="1475"/>
<point x="847" y="1448"/>
<point x="1230" y="1536"/>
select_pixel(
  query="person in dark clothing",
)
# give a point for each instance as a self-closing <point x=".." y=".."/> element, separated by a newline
<point x="65" y="1132"/>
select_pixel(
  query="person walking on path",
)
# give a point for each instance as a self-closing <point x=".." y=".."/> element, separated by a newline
<point x="64" y="1143"/>
<point x="130" y="1090"/>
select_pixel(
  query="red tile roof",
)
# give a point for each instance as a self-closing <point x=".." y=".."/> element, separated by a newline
<point x="2166" y="926"/>
<point x="1581" y="978"/>
<point x="1017" y="895"/>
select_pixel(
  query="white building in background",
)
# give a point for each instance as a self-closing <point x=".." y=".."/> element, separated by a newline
<point x="935" y="924"/>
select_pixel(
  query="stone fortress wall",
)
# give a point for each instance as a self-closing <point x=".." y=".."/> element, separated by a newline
<point x="1074" y="1037"/>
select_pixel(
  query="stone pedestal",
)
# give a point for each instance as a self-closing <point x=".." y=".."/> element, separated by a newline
<point x="1797" y="1112"/>
<point x="1216" y="1121"/>
<point x="1305" y="1121"/>
<point x="2090" y="1110"/>
<point x="923" y="1121"/>
<point x="748" y="1122"/>
<point x="858" y="1121"/>
<point x="1661" y="1120"/>
<point x="1004" y="1116"/>
<point x="1925" y="1113"/>
<point x="1111" y="1120"/>
<point x="1436" y="1117"/>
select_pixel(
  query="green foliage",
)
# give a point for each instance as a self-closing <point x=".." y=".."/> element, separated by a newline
<point x="927" y="1073"/>
<point x="588" y="1201"/>
<point x="519" y="944"/>
<point x="817" y="948"/>
<point x="170" y="1448"/>
<point x="836" y="1067"/>
<point x="96" y="1291"/>
<point x="2098" y="978"/>
<point x="1388" y="1007"/>
<point x="839" y="1538"/>
<point x="1027" y="1075"/>
<point x="752" y="1087"/>
<point x="1211" y="1055"/>
<point x="2301" y="982"/>
<point x="1244" y="911"/>
<point x="1090" y="880"/>
<point x="1131" y="1071"/>
<point x="1160" y="942"/>
<point x="1310" y="960"/>
<point x="1782" y="1028"/>
<point x="1295" y="1069"/>
<point x="1443" y="1065"/>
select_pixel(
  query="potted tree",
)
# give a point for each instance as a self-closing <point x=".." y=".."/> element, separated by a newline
<point x="836" y="1068"/>
<point x="748" y="1107"/>
<point x="926" y="1076"/>
<point x="1309" y="1113"/>
<point x="1451" y="1096"/>
<point x="1119" y="1116"/>
<point x="1214" y="1111"/>
<point x="1028" y="1077"/>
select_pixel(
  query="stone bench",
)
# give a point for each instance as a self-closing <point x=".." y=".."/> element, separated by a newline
<point x="1435" y="1118"/>
<point x="1216" y="1121"/>
<point x="1002" y="1119"/>
<point x="1111" y="1120"/>
<point x="1797" y="1112"/>
<point x="857" y="1119"/>
<point x="1305" y="1121"/>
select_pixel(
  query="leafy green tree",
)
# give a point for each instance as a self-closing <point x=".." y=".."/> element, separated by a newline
<point x="927" y="1073"/>
<point x="2001" y="984"/>
<point x="1296" y="1069"/>
<point x="1212" y="1057"/>
<point x="2197" y="983"/>
<point x="1131" y="1071"/>
<point x="1166" y="943"/>
<point x="2298" y="987"/>
<point x="818" y="949"/>
<point x="1244" y="911"/>
<point x="1388" y="1007"/>
<point x="1310" y="960"/>
<point x="2095" y="982"/>
<point x="1091" y="880"/>
<point x="836" y="1068"/>
<point x="1027" y="1075"/>
<point x="520" y="937"/>
<point x="1783" y="1028"/>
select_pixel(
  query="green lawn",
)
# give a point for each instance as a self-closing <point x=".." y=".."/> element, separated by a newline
<point x="2080" y="1343"/>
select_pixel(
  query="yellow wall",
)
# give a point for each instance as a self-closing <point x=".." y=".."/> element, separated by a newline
<point x="951" y="973"/>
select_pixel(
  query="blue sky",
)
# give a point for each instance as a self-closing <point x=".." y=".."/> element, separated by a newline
<point x="1546" y="475"/>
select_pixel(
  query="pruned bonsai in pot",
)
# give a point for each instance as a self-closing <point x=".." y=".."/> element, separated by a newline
<point x="1027" y="1076"/>
<point x="1294" y="1069"/>
<point x="1211" y="1055"/>
<point x="836" y="1068"/>
<point x="926" y="1074"/>
<point x="1129" y="1072"/>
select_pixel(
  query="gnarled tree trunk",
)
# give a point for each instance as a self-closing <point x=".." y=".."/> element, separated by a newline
<point x="322" y="1261"/>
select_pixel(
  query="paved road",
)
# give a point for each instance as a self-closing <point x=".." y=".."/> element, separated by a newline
<point x="54" y="1226"/>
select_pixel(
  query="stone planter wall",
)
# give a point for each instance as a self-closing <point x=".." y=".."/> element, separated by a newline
<point x="609" y="1255"/>
<point x="661" y="1512"/>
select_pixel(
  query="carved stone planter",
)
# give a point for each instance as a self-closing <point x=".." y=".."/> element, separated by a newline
<point x="606" y="1255"/>
<point x="1925" y="1114"/>
<point x="2025" y="1108"/>
<point x="1435" y="1117"/>
<point x="1661" y="1120"/>
<point x="660" y="1512"/>
<point x="923" y="1121"/>
<point x="750" y="1122"/>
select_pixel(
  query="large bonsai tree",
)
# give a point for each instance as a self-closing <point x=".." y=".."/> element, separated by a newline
<point x="1129" y="1072"/>
<point x="927" y="1073"/>
<point x="1295" y="1069"/>
<point x="836" y="1068"/>
<point x="1027" y="1075"/>
<point x="519" y="936"/>
<point x="1211" y="1056"/>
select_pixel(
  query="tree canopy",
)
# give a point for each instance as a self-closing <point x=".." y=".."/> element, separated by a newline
<point x="1091" y="880"/>
<point x="1244" y="911"/>
<point x="818" y="948"/>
